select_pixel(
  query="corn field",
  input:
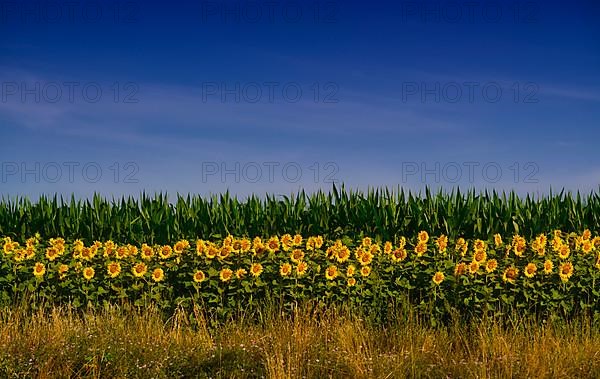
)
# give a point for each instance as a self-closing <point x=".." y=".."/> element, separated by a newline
<point x="381" y="213"/>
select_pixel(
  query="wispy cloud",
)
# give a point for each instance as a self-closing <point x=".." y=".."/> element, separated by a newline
<point x="172" y="130"/>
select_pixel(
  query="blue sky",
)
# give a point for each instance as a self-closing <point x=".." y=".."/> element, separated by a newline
<point x="264" y="96"/>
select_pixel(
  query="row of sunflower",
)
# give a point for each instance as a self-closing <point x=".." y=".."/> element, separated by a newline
<point x="555" y="272"/>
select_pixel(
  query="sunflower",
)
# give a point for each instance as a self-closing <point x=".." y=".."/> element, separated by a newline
<point x="442" y="243"/>
<point x="587" y="246"/>
<point x="510" y="274"/>
<point x="285" y="269"/>
<point x="57" y="242"/>
<point x="228" y="241"/>
<point x="438" y="278"/>
<point x="90" y="253"/>
<point x="297" y="255"/>
<point x="564" y="251"/>
<point x="399" y="254"/>
<point x="365" y="271"/>
<point x="473" y="267"/>
<point x="20" y="255"/>
<point x="236" y="246"/>
<point x="479" y="256"/>
<point x="548" y="266"/>
<point x="199" y="276"/>
<point x="225" y="251"/>
<point x="86" y="254"/>
<point x="242" y="245"/>
<point x="8" y="245"/>
<point x="301" y="268"/>
<point x="375" y="249"/>
<point x="14" y="245"/>
<point x="200" y="247"/>
<point x="30" y="252"/>
<point x="147" y="252"/>
<point x="519" y="245"/>
<point x="287" y="242"/>
<point x="310" y="243"/>
<point x="530" y="270"/>
<point x="461" y="246"/>
<point x="226" y="274"/>
<point x="319" y="242"/>
<point x="387" y="247"/>
<point x="351" y="282"/>
<point x="165" y="252"/>
<point x="556" y="244"/>
<point x="539" y="247"/>
<point x="331" y="252"/>
<point x="519" y="249"/>
<point x="257" y="246"/>
<point x="297" y="241"/>
<point x="51" y="253"/>
<point x="359" y="252"/>
<point x="351" y="270"/>
<point x="479" y="245"/>
<point x="421" y="249"/>
<point x="343" y="254"/>
<point x="273" y="244"/>
<point x="77" y="254"/>
<point x="401" y="242"/>
<point x="240" y="273"/>
<point x="331" y="272"/>
<point x="62" y="271"/>
<point x="256" y="269"/>
<point x="122" y="252"/>
<point x="497" y="240"/>
<point x="139" y="269"/>
<point x="366" y="258"/>
<point x="212" y="251"/>
<point x="158" y="275"/>
<point x="491" y="265"/>
<point x="88" y="273"/>
<point x="113" y="269"/>
<point x="180" y="246"/>
<point x="132" y="250"/>
<point x="460" y="269"/>
<point x="464" y="249"/>
<point x="586" y="235"/>
<point x="366" y="242"/>
<point x="565" y="270"/>
<point x="39" y="270"/>
<point x="423" y="236"/>
<point x="541" y="240"/>
<point x="109" y="248"/>
<point x="32" y="241"/>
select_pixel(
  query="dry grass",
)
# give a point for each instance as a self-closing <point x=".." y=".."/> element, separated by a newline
<point x="117" y="342"/>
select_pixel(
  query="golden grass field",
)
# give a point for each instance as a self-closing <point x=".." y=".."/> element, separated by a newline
<point x="127" y="342"/>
